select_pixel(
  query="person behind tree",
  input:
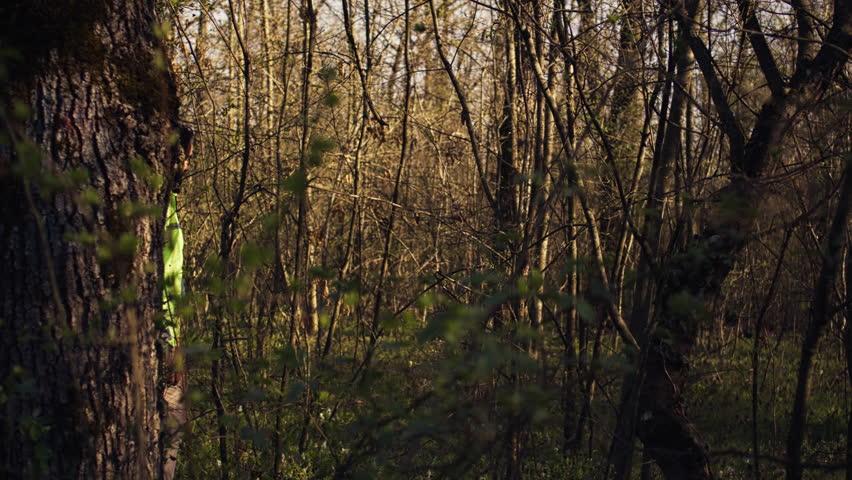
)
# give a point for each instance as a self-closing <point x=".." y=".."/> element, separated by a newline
<point x="173" y="387"/>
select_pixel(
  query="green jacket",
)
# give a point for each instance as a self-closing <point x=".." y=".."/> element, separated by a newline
<point x="173" y="270"/>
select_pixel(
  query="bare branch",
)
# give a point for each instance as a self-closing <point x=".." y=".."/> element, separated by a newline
<point x="761" y="48"/>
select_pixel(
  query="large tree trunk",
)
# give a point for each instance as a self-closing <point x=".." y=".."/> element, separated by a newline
<point x="695" y="274"/>
<point x="85" y="159"/>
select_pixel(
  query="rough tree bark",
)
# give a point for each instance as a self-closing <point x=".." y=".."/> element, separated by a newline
<point x="88" y="108"/>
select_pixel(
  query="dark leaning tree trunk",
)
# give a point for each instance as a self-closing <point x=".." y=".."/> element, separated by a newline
<point x="696" y="274"/>
<point x="87" y="108"/>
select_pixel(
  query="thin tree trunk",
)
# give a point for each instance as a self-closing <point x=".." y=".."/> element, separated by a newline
<point x="755" y="355"/>
<point x="847" y="348"/>
<point x="820" y="316"/>
<point x="403" y="156"/>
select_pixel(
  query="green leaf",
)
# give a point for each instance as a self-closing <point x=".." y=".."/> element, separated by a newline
<point x="583" y="307"/>
<point x="327" y="73"/>
<point x="127" y="243"/>
<point x="259" y="437"/>
<point x="20" y="110"/>
<point x="287" y="356"/>
<point x="321" y="273"/>
<point x="296" y="183"/>
<point x="331" y="100"/>
<point x="317" y="148"/>
<point x="295" y="392"/>
<point x="253" y="255"/>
